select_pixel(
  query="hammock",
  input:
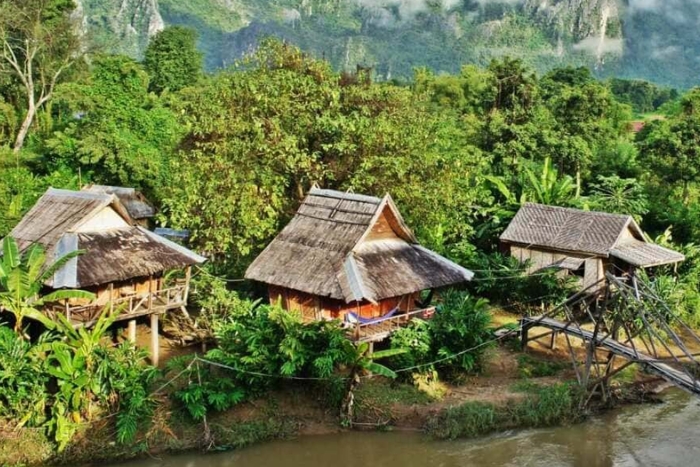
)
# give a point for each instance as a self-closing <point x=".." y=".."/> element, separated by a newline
<point x="354" y="318"/>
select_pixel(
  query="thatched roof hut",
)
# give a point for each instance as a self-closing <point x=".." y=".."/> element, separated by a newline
<point x="565" y="238"/>
<point x="351" y="249"/>
<point x="115" y="250"/>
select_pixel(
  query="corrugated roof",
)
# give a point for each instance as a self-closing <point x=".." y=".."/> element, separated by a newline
<point x="644" y="254"/>
<point x="568" y="229"/>
<point x="585" y="232"/>
<point x="111" y="254"/>
<point x="321" y="251"/>
<point x="135" y="203"/>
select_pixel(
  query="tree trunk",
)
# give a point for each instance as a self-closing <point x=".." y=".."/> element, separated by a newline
<point x="349" y="400"/>
<point x="24" y="129"/>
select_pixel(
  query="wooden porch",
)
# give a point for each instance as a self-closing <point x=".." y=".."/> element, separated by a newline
<point x="381" y="328"/>
<point x="129" y="306"/>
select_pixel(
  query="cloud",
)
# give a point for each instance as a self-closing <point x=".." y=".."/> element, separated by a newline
<point x="407" y="9"/>
<point x="678" y="11"/>
<point x="600" y="46"/>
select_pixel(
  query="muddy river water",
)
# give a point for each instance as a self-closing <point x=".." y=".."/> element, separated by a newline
<point x="649" y="435"/>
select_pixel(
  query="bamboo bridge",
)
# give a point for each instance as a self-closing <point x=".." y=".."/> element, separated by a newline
<point x="627" y="321"/>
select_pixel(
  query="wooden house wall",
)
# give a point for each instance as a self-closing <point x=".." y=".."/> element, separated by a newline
<point x="382" y="229"/>
<point x="138" y="286"/>
<point x="594" y="268"/>
<point x="106" y="219"/>
<point x="313" y="308"/>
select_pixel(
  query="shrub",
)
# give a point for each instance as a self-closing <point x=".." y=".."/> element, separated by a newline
<point x="461" y="322"/>
<point x="416" y="340"/>
<point x="260" y="345"/>
<point x="504" y="279"/>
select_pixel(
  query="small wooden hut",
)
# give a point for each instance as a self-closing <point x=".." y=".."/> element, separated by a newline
<point x="137" y="206"/>
<point x="351" y="257"/>
<point x="123" y="263"/>
<point x="584" y="243"/>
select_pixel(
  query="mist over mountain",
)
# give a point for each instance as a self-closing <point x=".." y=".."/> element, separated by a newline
<point x="655" y="40"/>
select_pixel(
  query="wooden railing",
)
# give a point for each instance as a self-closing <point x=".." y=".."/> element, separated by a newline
<point x="140" y="303"/>
<point x="386" y="326"/>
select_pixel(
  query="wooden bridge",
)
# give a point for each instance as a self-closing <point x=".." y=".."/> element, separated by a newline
<point x="627" y="320"/>
<point x="676" y="377"/>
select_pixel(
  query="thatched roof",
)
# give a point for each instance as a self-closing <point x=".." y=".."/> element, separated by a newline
<point x="135" y="203"/>
<point x="63" y="221"/>
<point x="325" y="251"/>
<point x="585" y="232"/>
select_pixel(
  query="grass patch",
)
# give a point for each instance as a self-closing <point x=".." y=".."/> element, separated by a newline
<point x="244" y="434"/>
<point x="375" y="398"/>
<point x="24" y="446"/>
<point x="541" y="407"/>
<point x="530" y="367"/>
<point x="627" y="376"/>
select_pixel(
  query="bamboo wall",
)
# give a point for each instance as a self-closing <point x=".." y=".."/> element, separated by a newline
<point x="313" y="308"/>
<point x="594" y="268"/>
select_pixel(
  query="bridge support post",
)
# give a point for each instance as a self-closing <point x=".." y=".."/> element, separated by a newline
<point x="524" y="331"/>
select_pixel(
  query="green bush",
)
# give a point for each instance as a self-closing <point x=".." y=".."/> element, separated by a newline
<point x="416" y="339"/>
<point x="258" y="346"/>
<point x="461" y="322"/>
<point x="60" y="382"/>
<point x="505" y="279"/>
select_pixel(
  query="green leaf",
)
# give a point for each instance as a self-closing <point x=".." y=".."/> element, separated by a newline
<point x="10" y="253"/>
<point x="67" y="295"/>
<point x="387" y="353"/>
<point x="380" y="370"/>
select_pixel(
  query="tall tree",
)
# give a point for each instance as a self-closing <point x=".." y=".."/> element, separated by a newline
<point x="117" y="132"/>
<point x="39" y="43"/>
<point x="671" y="148"/>
<point x="172" y="59"/>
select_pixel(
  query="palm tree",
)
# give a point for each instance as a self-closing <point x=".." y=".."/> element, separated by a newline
<point x="22" y="276"/>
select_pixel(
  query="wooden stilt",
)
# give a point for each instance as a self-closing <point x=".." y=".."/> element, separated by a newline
<point x="524" y="331"/>
<point x="188" y="278"/>
<point x="111" y="299"/>
<point x="371" y="348"/>
<point x="154" y="339"/>
<point x="131" y="331"/>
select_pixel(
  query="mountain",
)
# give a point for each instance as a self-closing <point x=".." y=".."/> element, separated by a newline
<point x="649" y="39"/>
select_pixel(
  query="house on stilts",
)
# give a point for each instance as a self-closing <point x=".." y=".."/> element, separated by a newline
<point x="586" y="244"/>
<point x="351" y="257"/>
<point x="122" y="263"/>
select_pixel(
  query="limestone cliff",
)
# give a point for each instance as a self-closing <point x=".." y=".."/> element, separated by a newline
<point x="123" y="26"/>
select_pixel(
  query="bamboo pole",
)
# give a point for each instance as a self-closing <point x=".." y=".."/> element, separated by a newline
<point x="131" y="331"/>
<point x="188" y="277"/>
<point x="111" y="298"/>
<point x="154" y="339"/>
<point x="150" y="293"/>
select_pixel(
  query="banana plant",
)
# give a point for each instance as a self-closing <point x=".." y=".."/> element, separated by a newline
<point x="365" y="362"/>
<point x="22" y="276"/>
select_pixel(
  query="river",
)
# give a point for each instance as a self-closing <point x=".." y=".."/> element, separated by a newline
<point x="647" y="435"/>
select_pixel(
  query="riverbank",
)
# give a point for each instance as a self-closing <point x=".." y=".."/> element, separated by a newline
<point x="515" y="390"/>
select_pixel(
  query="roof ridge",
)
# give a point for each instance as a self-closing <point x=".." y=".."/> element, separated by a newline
<point x="343" y="195"/>
<point x="582" y="211"/>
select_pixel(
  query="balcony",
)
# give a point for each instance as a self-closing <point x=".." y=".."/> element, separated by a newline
<point x="381" y="328"/>
<point x="129" y="306"/>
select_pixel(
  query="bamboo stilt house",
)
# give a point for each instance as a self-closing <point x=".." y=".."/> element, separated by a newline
<point x="351" y="257"/>
<point x="123" y="263"/>
<point x="583" y="243"/>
